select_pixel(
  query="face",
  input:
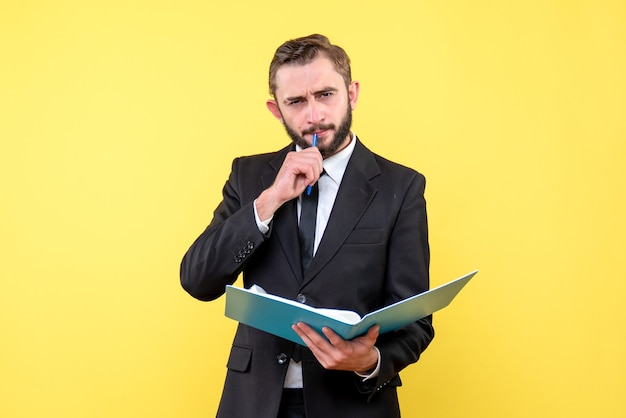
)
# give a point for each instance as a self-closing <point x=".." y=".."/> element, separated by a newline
<point x="313" y="98"/>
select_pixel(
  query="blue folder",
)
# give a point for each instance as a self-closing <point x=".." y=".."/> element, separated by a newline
<point x="276" y="315"/>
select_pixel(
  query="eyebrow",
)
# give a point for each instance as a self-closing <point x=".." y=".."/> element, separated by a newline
<point x="315" y="93"/>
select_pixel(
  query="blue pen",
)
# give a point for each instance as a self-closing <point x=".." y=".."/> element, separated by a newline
<point x="314" y="144"/>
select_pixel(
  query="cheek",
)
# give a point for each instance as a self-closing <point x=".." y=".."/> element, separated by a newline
<point x="294" y="120"/>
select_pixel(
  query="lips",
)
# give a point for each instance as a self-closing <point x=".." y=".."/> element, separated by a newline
<point x="321" y="133"/>
<point x="321" y="130"/>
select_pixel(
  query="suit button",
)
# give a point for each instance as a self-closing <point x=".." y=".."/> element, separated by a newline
<point x="281" y="358"/>
<point x="301" y="298"/>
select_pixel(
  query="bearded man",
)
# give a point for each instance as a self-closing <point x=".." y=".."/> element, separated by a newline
<point x="364" y="246"/>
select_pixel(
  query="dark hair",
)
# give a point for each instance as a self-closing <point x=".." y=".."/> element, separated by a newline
<point x="303" y="50"/>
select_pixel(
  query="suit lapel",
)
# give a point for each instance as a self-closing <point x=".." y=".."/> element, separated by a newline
<point x="285" y="222"/>
<point x="354" y="196"/>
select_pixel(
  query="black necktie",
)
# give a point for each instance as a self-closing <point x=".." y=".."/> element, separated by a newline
<point x="308" y="214"/>
<point x="306" y="234"/>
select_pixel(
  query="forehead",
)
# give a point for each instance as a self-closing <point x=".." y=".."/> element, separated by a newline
<point x="295" y="80"/>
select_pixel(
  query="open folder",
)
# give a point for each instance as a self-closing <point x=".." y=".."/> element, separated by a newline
<point x="276" y="315"/>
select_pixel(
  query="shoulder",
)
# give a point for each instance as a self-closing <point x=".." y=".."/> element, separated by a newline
<point x="263" y="157"/>
<point x="270" y="160"/>
<point x="396" y="168"/>
<point x="387" y="170"/>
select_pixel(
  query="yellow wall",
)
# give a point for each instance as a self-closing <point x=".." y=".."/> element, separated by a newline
<point x="118" y="124"/>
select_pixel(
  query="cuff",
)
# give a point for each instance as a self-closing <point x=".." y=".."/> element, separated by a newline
<point x="376" y="370"/>
<point x="264" y="226"/>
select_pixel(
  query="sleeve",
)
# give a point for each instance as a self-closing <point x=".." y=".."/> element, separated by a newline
<point x="407" y="274"/>
<point x="264" y="226"/>
<point x="220" y="253"/>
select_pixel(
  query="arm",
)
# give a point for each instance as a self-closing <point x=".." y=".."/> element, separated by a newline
<point x="406" y="259"/>
<point x="407" y="274"/>
<point x="221" y="252"/>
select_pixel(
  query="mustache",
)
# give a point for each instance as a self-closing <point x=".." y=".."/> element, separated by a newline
<point x="314" y="129"/>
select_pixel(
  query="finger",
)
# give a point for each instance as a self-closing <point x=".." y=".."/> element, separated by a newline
<point x="298" y="171"/>
<point x="310" y="333"/>
<point x="370" y="337"/>
<point x="318" y="345"/>
<point x="314" y="158"/>
<point x="305" y="332"/>
<point x="333" y="337"/>
<point x="305" y="165"/>
<point x="313" y="340"/>
<point x="373" y="332"/>
<point x="302" y="334"/>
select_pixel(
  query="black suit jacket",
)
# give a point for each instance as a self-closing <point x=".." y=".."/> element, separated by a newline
<point x="374" y="252"/>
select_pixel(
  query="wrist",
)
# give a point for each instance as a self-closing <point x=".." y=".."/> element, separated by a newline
<point x="266" y="205"/>
<point x="372" y="365"/>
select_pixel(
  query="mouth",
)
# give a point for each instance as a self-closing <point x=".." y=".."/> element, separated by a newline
<point x="320" y="129"/>
<point x="321" y="133"/>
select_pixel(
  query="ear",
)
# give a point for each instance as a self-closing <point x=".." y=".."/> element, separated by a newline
<point x="353" y="93"/>
<point x="273" y="107"/>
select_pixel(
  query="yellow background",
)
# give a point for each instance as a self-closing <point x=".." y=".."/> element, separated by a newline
<point x="119" y="121"/>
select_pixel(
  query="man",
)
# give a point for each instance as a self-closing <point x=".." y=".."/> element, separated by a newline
<point x="370" y="249"/>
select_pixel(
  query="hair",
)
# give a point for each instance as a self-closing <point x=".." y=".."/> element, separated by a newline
<point x="302" y="51"/>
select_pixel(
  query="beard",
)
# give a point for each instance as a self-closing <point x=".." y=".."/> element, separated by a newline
<point x="338" y="139"/>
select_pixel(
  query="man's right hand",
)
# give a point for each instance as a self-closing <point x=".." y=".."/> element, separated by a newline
<point x="299" y="170"/>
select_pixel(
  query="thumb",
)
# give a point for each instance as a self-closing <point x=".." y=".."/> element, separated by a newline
<point x="373" y="332"/>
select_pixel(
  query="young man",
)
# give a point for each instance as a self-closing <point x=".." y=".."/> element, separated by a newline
<point x="369" y="250"/>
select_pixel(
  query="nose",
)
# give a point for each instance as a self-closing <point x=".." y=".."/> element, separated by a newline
<point x="315" y="114"/>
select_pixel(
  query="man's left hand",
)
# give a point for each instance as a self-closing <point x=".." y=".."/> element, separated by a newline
<point x="335" y="353"/>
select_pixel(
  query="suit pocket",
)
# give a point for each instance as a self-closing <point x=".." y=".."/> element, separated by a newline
<point x="366" y="236"/>
<point x="239" y="359"/>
